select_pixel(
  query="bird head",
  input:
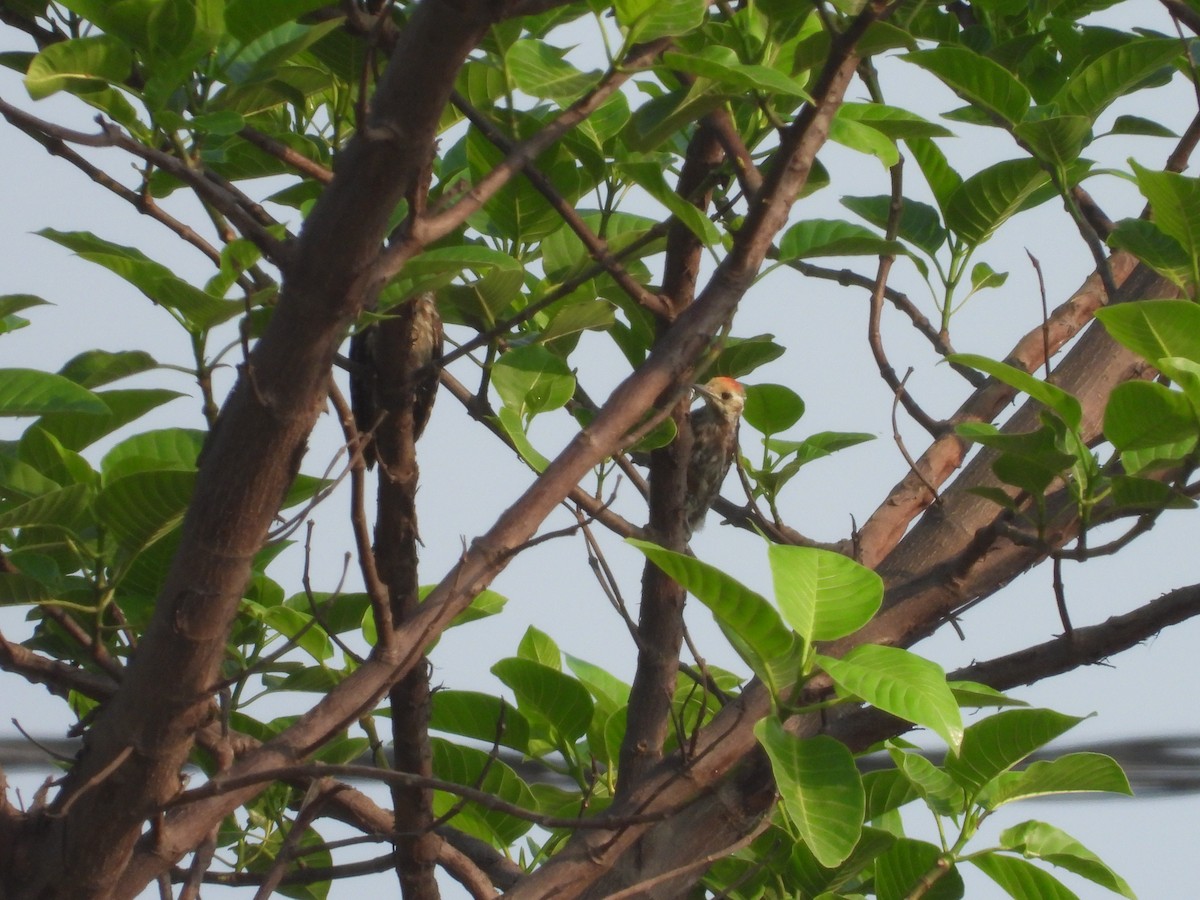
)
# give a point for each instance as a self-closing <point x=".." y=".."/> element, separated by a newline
<point x="725" y="395"/>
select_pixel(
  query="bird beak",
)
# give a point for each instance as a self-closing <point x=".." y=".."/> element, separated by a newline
<point x="703" y="391"/>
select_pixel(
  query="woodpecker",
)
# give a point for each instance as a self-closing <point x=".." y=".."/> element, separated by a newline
<point x="413" y="339"/>
<point x="714" y="443"/>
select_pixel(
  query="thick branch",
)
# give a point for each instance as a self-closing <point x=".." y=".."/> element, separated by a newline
<point x="248" y="464"/>
<point x="660" y="624"/>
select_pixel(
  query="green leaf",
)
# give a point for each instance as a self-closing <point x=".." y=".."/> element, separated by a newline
<point x="497" y="279"/>
<point x="1053" y="845"/>
<point x="902" y="683"/>
<point x="722" y="65"/>
<point x="805" y="875"/>
<point x="747" y="619"/>
<point x="941" y="793"/>
<point x="983" y="277"/>
<point x="43" y="451"/>
<point x="659" y="119"/>
<point x="99" y="367"/>
<point x="1021" y="878"/>
<point x="1146" y="494"/>
<point x="823" y="595"/>
<point x="1143" y="414"/>
<point x="820" y="788"/>
<point x="1073" y="773"/>
<point x="197" y="309"/>
<point x="741" y="356"/>
<point x="486" y="604"/>
<point x="10" y="305"/>
<point x="78" y="64"/>
<point x="17" y="589"/>
<point x="141" y="508"/>
<point x="29" y="392"/>
<point x="772" y="408"/>
<point x="61" y="508"/>
<point x="1055" y="140"/>
<point x="510" y="421"/>
<point x="1155" y="329"/>
<point x="818" y="446"/>
<point x="540" y="647"/>
<point x="22" y="481"/>
<point x="249" y="19"/>
<point x="540" y="71"/>
<point x="76" y="431"/>
<point x="339" y="612"/>
<point x="1113" y="75"/>
<point x="559" y="702"/>
<point x="1154" y="247"/>
<point x="974" y="694"/>
<point x="532" y="380"/>
<point x="1029" y="460"/>
<point x="1049" y="395"/>
<point x="999" y="742"/>
<point x="864" y="139"/>
<point x="267" y="54"/>
<point x="222" y="122"/>
<point x="1174" y="199"/>
<point x="896" y="123"/>
<point x="479" y="769"/>
<point x="919" y="222"/>
<point x="887" y="789"/>
<point x="481" y="717"/>
<point x="297" y="627"/>
<point x="900" y="870"/>
<point x="595" y="315"/>
<point x="649" y="176"/>
<point x="174" y="449"/>
<point x="609" y="692"/>
<point x="1136" y="125"/>
<point x="646" y="20"/>
<point x="976" y="79"/>
<point x="833" y="237"/>
<point x="989" y="198"/>
<point x="944" y="180"/>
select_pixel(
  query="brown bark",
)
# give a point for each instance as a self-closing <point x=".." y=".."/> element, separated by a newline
<point x="396" y="538"/>
<point x="130" y="764"/>
<point x="660" y="623"/>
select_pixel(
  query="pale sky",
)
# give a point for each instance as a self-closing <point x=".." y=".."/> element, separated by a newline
<point x="469" y="478"/>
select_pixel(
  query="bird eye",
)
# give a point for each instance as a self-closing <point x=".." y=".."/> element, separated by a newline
<point x="727" y="395"/>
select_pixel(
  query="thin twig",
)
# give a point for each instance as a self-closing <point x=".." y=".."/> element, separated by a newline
<point x="221" y="786"/>
<point x="874" y="336"/>
<point x="912" y="463"/>
<point x="606" y="578"/>
<point x="429" y="228"/>
<point x="317" y="614"/>
<point x="654" y="233"/>
<point x="284" y="153"/>
<point x="1060" y="596"/>
<point x="222" y="197"/>
<point x="596" y="247"/>
<point x="313" y="802"/>
<point x="201" y="860"/>
<point x="482" y="412"/>
<point x="902" y="302"/>
<point x="95" y="649"/>
<point x="1037" y="267"/>
<point x="94" y="781"/>
<point x="694" y="865"/>
<point x="377" y="591"/>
